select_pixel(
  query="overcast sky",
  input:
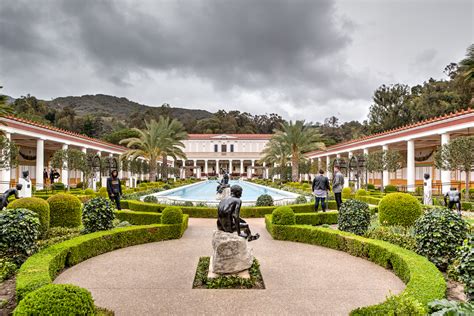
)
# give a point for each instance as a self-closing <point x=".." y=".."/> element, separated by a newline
<point x="301" y="59"/>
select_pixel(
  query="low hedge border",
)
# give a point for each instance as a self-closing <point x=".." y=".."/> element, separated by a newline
<point x="424" y="282"/>
<point x="138" y="218"/>
<point x="316" y="219"/>
<point x="42" y="268"/>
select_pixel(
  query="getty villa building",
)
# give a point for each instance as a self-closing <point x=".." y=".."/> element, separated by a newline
<point x="240" y="154"/>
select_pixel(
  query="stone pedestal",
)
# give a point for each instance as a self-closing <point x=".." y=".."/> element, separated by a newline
<point x="25" y="191"/>
<point x="242" y="274"/>
<point x="230" y="254"/>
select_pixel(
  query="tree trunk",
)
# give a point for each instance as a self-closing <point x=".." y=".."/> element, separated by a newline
<point x="381" y="182"/>
<point x="466" y="193"/>
<point x="294" y="166"/>
<point x="164" y="168"/>
<point x="152" y="177"/>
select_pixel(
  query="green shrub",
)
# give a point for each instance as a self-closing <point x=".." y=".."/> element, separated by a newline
<point x="188" y="203"/>
<point x="399" y="209"/>
<point x="354" y="217"/>
<point x="402" y="305"/>
<point x="98" y="214"/>
<point x="19" y="231"/>
<point x="283" y="215"/>
<point x="301" y="199"/>
<point x="450" y="308"/>
<point x="150" y="199"/>
<point x="264" y="200"/>
<point x="346" y="193"/>
<point x="361" y="192"/>
<point x="138" y="218"/>
<point x="36" y="205"/>
<point x="57" y="299"/>
<point x="465" y="269"/>
<point x="438" y="234"/>
<point x="397" y="235"/>
<point x="65" y="210"/>
<point x="80" y="185"/>
<point x="103" y="192"/>
<point x="370" y="186"/>
<point x="419" y="191"/>
<point x="58" y="186"/>
<point x="390" y="188"/>
<point x="88" y="191"/>
<point x="172" y="215"/>
<point x="315" y="219"/>
<point x="7" y="269"/>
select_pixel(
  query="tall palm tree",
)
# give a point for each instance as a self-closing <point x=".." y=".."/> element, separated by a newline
<point x="146" y="145"/>
<point x="276" y="153"/>
<point x="467" y="64"/>
<point x="171" y="141"/>
<point x="300" y="138"/>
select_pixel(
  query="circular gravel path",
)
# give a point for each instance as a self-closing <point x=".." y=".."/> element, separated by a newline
<point x="156" y="278"/>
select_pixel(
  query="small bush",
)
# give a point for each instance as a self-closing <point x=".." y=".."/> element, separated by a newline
<point x="172" y="215"/>
<point x="438" y="234"/>
<point x="65" y="210"/>
<point x="58" y="186"/>
<point x="397" y="235"/>
<point x="301" y="199"/>
<point x="98" y="214"/>
<point x="361" y="192"/>
<point x="399" y="209"/>
<point x="370" y="186"/>
<point x="80" y="185"/>
<point x="19" y="231"/>
<point x="283" y="215"/>
<point x="445" y="307"/>
<point x="57" y="299"/>
<point x="150" y="199"/>
<point x="402" y="305"/>
<point x="465" y="269"/>
<point x="264" y="200"/>
<point x="354" y="217"/>
<point x="188" y="203"/>
<point x="390" y="188"/>
<point x="7" y="269"/>
<point x="88" y="191"/>
<point x="103" y="192"/>
<point x="346" y="193"/>
<point x="36" y="205"/>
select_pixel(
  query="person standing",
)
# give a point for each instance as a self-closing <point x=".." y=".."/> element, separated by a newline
<point x="337" y="186"/>
<point x="453" y="197"/>
<point x="45" y="176"/>
<point x="320" y="190"/>
<point x="114" y="188"/>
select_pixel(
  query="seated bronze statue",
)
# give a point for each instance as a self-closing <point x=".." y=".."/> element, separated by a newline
<point x="229" y="219"/>
<point x="13" y="191"/>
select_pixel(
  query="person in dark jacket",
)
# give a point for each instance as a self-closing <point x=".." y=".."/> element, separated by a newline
<point x="114" y="189"/>
<point x="4" y="197"/>
<point x="320" y="190"/>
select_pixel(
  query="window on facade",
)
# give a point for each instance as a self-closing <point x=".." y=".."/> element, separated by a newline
<point x="232" y="148"/>
<point x="224" y="148"/>
<point x="216" y="148"/>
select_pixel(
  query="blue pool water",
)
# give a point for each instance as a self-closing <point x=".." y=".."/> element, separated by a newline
<point x="206" y="192"/>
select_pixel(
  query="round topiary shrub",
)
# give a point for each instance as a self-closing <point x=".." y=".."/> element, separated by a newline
<point x="361" y="192"/>
<point x="283" y="215"/>
<point x="438" y="233"/>
<point x="57" y="299"/>
<point x="301" y="199"/>
<point x="89" y="191"/>
<point x="264" y="200"/>
<point x="150" y="199"/>
<point x="19" y="231"/>
<point x="354" y="217"/>
<point x="65" y="210"/>
<point x="103" y="192"/>
<point x="37" y="205"/>
<point x="98" y="214"/>
<point x="370" y="186"/>
<point x="390" y="188"/>
<point x="172" y="215"/>
<point x="401" y="209"/>
<point x="58" y="186"/>
<point x="346" y="193"/>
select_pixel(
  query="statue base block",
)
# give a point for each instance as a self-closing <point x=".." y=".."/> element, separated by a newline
<point x="242" y="274"/>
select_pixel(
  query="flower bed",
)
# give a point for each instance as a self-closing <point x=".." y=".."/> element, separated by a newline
<point x="42" y="268"/>
<point x="424" y="283"/>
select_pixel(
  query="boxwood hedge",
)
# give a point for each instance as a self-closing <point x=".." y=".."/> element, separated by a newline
<point x="138" y="218"/>
<point x="424" y="282"/>
<point x="42" y="268"/>
<point x="36" y="205"/>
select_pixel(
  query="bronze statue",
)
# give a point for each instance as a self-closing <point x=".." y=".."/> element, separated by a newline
<point x="7" y="194"/>
<point x="229" y="219"/>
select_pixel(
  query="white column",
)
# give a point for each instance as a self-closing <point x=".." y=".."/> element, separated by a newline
<point x="252" y="169"/>
<point x="411" y="184"/>
<point x="386" y="174"/>
<point x="319" y="165"/>
<point x="206" y="167"/>
<point x="230" y="166"/>
<point x="183" y="169"/>
<point x="265" y="170"/>
<point x="241" y="167"/>
<point x="5" y="173"/>
<point x="217" y="166"/>
<point x="84" y="150"/>
<point x="338" y="155"/>
<point x="64" y="172"/>
<point x="445" y="174"/>
<point x="328" y="167"/>
<point x="195" y="169"/>
<point x="366" y="151"/>
<point x="39" y="164"/>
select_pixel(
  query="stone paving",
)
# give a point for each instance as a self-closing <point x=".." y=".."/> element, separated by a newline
<point x="300" y="279"/>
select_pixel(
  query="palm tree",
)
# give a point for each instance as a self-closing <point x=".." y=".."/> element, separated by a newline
<point x="171" y="141"/>
<point x="276" y="153"/>
<point x="467" y="64"/>
<point x="146" y="145"/>
<point x="300" y="138"/>
<point x="4" y="108"/>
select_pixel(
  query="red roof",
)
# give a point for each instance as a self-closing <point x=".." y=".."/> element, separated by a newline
<point x="398" y="129"/>
<point x="238" y="136"/>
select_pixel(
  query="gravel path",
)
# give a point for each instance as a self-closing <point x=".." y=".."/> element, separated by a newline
<point x="156" y="278"/>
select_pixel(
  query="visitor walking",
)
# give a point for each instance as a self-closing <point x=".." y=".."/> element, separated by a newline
<point x="337" y="186"/>
<point x="453" y="197"/>
<point x="320" y="189"/>
<point x="114" y="188"/>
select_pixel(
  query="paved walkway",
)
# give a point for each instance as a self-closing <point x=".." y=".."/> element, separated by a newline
<point x="156" y="278"/>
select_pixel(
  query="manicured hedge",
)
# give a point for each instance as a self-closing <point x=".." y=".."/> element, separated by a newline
<point x="316" y="219"/>
<point x="65" y="210"/>
<point x="138" y="218"/>
<point x="41" y="268"/>
<point x="38" y="206"/>
<point x="424" y="282"/>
